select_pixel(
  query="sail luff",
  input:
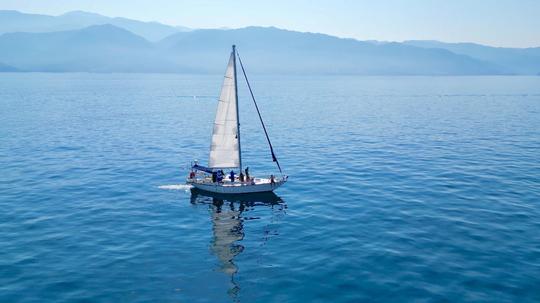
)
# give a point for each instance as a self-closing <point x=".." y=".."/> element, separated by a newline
<point x="237" y="108"/>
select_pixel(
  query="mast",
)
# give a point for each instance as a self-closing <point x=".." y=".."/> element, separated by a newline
<point x="237" y="109"/>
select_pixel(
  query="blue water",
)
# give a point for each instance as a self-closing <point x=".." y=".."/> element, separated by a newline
<point x="402" y="189"/>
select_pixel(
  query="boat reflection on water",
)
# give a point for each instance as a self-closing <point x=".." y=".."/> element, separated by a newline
<point x="228" y="219"/>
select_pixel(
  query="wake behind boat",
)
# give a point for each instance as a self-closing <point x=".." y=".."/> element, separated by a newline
<point x="226" y="151"/>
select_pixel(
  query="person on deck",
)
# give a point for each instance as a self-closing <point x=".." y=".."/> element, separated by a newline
<point x="241" y="177"/>
<point x="272" y="181"/>
<point x="247" y="173"/>
<point x="231" y="176"/>
<point x="220" y="176"/>
<point x="214" y="177"/>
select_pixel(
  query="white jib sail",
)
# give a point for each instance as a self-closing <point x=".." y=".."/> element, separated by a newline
<point x="224" y="151"/>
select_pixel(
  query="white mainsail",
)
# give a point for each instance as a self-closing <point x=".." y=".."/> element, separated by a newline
<point x="225" y="148"/>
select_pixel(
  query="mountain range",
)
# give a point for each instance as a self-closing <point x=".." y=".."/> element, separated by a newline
<point x="511" y="60"/>
<point x="87" y="42"/>
<point x="14" y="21"/>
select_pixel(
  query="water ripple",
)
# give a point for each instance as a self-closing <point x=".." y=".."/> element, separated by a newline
<point x="401" y="189"/>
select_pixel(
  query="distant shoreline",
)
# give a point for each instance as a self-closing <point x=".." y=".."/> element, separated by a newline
<point x="266" y="74"/>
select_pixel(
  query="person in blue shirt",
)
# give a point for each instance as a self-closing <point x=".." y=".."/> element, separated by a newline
<point x="232" y="176"/>
<point x="219" y="176"/>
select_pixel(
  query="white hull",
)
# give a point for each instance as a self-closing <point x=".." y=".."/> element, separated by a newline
<point x="260" y="186"/>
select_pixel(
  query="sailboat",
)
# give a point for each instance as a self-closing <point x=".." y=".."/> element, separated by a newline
<point x="226" y="152"/>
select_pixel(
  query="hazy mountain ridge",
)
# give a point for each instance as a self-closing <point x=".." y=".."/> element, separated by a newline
<point x="111" y="48"/>
<point x="277" y="50"/>
<point x="108" y="48"/>
<point x="513" y="60"/>
<point x="7" y="68"/>
<point x="14" y="21"/>
<point x="99" y="48"/>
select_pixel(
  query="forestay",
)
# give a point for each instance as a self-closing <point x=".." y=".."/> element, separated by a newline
<point x="225" y="151"/>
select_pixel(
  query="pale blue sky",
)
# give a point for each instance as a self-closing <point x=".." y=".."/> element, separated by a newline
<point x="493" y="22"/>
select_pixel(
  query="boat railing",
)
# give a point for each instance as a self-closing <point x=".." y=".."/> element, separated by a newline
<point x="205" y="179"/>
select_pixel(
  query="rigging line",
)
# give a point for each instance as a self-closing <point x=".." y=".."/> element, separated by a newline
<point x="274" y="158"/>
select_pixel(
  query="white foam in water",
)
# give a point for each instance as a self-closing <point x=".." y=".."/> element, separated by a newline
<point x="176" y="187"/>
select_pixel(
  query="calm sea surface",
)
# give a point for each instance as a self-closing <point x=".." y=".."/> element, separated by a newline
<point x="401" y="189"/>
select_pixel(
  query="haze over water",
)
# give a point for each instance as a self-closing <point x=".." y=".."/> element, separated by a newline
<point x="400" y="189"/>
